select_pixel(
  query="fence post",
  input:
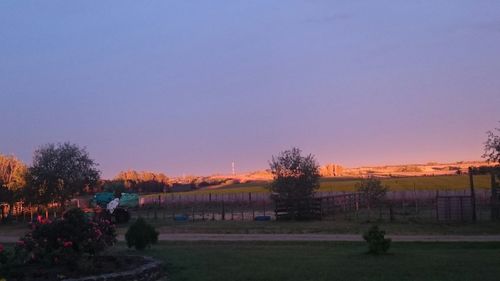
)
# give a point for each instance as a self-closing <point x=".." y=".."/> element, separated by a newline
<point x="203" y="212"/>
<point x="253" y="211"/>
<point x="461" y="209"/>
<point x="391" y="213"/>
<point x="213" y="214"/>
<point x="173" y="211"/>
<point x="473" y="194"/>
<point x="415" y="197"/>
<point x="223" y="211"/>
<point x="437" y="205"/>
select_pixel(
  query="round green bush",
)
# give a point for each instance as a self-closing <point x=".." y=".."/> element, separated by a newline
<point x="377" y="243"/>
<point x="141" y="235"/>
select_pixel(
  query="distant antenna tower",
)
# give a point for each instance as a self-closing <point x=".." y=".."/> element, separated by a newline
<point x="232" y="165"/>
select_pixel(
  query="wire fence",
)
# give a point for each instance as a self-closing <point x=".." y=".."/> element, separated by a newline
<point x="398" y="206"/>
<point x="187" y="198"/>
<point x="420" y="205"/>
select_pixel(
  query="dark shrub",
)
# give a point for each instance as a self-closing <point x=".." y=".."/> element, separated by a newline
<point x="121" y="215"/>
<point x="3" y="256"/>
<point x="5" y="260"/>
<point x="377" y="243"/>
<point x="141" y="235"/>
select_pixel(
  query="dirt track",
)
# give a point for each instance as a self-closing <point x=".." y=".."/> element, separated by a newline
<point x="323" y="237"/>
<point x="304" y="237"/>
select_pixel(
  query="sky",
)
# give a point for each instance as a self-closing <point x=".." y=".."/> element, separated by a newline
<point x="187" y="87"/>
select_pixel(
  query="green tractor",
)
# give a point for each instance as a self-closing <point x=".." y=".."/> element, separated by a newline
<point x="116" y="208"/>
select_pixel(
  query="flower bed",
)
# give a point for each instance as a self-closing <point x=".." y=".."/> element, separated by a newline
<point x="70" y="248"/>
<point x="150" y="270"/>
<point x="102" y="268"/>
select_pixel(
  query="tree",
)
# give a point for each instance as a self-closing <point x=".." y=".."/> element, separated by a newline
<point x="115" y="186"/>
<point x="12" y="172"/>
<point x="373" y="190"/>
<point x="143" y="181"/>
<point x="492" y="147"/>
<point x="12" y="179"/>
<point x="60" y="172"/>
<point x="296" y="178"/>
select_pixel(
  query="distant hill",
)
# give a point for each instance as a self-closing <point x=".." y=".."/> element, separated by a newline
<point x="402" y="170"/>
<point x="332" y="170"/>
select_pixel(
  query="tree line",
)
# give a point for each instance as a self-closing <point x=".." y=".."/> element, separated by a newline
<point x="60" y="172"/>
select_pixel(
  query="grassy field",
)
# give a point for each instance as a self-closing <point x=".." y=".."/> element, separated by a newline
<point x="302" y="261"/>
<point x="339" y="226"/>
<point x="419" y="183"/>
<point x="454" y="182"/>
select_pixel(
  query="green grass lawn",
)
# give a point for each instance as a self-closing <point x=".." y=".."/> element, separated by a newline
<point x="340" y="226"/>
<point x="302" y="261"/>
<point x="453" y="182"/>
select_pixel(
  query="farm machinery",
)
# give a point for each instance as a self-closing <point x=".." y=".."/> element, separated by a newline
<point x="116" y="208"/>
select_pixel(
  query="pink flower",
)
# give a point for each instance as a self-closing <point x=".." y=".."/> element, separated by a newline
<point x="1" y="248"/>
<point x="67" y="244"/>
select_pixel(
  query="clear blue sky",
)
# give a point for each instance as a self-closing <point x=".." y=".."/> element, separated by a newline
<point x="189" y="86"/>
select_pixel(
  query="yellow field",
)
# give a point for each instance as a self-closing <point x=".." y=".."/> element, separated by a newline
<point x="454" y="182"/>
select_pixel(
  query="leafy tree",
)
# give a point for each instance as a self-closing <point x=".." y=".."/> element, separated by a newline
<point x="12" y="172"/>
<point x="296" y="177"/>
<point x="373" y="190"/>
<point x="492" y="147"/>
<point x="116" y="186"/>
<point x="143" y="181"/>
<point x="12" y="179"/>
<point x="60" y="172"/>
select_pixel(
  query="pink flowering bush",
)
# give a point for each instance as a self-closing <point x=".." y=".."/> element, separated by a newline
<point x="65" y="241"/>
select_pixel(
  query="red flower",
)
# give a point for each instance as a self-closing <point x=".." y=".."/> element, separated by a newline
<point x="1" y="248"/>
<point x="67" y="244"/>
